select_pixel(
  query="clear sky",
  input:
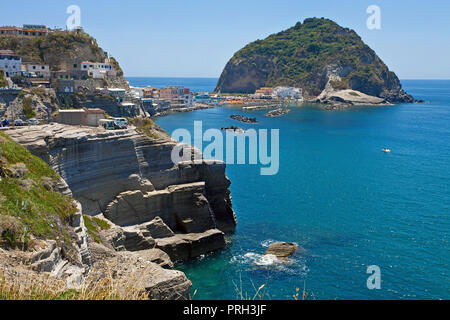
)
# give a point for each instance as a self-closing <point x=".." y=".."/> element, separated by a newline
<point x="195" y="38"/>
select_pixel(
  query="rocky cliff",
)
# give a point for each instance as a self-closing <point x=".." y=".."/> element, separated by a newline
<point x="37" y="103"/>
<point x="312" y="55"/>
<point x="130" y="179"/>
<point x="134" y="203"/>
<point x="61" y="50"/>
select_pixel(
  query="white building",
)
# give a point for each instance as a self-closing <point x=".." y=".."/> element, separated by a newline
<point x="136" y="92"/>
<point x="287" y="92"/>
<point x="117" y="93"/>
<point x="10" y="62"/>
<point x="39" y="69"/>
<point x="98" y="70"/>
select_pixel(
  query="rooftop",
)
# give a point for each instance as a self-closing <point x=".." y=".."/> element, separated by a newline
<point x="7" y="53"/>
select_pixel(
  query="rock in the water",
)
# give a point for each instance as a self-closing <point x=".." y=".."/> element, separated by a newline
<point x="277" y="112"/>
<point x="243" y="119"/>
<point x="282" y="250"/>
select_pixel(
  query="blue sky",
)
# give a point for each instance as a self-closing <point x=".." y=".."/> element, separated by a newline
<point x="195" y="38"/>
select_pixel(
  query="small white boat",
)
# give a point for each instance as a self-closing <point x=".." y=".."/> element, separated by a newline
<point x="386" y="150"/>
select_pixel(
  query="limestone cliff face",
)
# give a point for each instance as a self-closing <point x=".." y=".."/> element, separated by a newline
<point x="130" y="177"/>
<point x="43" y="103"/>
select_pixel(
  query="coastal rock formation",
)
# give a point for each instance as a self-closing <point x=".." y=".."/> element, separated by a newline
<point x="282" y="250"/>
<point x="243" y="119"/>
<point x="130" y="179"/>
<point x="148" y="270"/>
<point x="311" y="55"/>
<point x="183" y="247"/>
<point x="277" y="113"/>
<point x="38" y="102"/>
<point x="148" y="211"/>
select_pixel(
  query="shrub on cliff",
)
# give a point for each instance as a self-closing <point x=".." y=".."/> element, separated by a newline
<point x="28" y="108"/>
<point x="28" y="207"/>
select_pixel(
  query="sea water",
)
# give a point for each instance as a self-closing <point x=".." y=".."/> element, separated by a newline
<point x="345" y="203"/>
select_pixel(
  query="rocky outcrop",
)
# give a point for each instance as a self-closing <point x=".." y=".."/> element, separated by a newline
<point x="129" y="178"/>
<point x="157" y="212"/>
<point x="182" y="247"/>
<point x="282" y="250"/>
<point x="243" y="119"/>
<point x="148" y="269"/>
<point x="307" y="56"/>
<point x="43" y="103"/>
<point x="277" y="112"/>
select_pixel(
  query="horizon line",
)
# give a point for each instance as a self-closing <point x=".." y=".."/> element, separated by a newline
<point x="193" y="77"/>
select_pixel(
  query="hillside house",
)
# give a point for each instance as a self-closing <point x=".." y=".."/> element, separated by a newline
<point x="10" y="62"/>
<point x="84" y="117"/>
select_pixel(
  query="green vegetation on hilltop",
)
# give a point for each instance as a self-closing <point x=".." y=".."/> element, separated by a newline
<point x="28" y="203"/>
<point x="59" y="49"/>
<point x="302" y="56"/>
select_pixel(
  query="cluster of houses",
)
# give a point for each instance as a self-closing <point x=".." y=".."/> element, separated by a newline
<point x="156" y="100"/>
<point x="279" y="93"/>
<point x="28" y="30"/>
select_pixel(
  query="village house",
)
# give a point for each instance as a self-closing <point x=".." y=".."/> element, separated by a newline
<point x="287" y="92"/>
<point x="265" y="91"/>
<point x="153" y="106"/>
<point x="10" y="62"/>
<point x="150" y="93"/>
<point x="40" y="70"/>
<point x="117" y="93"/>
<point x="98" y="70"/>
<point x="28" y="30"/>
<point x="179" y="97"/>
<point x="69" y="75"/>
<point x="83" y="117"/>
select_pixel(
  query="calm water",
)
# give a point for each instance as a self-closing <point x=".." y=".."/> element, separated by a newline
<point x="344" y="201"/>
<point x="195" y="84"/>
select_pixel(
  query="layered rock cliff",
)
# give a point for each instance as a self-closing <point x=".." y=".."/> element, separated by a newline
<point x="311" y="55"/>
<point x="129" y="177"/>
<point x="151" y="209"/>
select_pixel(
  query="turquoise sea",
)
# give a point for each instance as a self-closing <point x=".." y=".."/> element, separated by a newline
<point x="343" y="200"/>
